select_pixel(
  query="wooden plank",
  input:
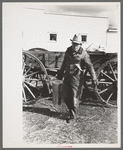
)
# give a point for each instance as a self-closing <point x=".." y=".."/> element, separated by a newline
<point x="46" y="60"/>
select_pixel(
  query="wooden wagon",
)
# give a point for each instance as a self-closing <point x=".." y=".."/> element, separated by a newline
<point x="41" y="66"/>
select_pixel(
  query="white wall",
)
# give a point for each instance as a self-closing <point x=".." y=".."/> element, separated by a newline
<point x="37" y="26"/>
<point x="113" y="42"/>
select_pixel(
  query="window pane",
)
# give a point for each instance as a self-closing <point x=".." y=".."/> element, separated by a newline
<point x="53" y="37"/>
<point x="84" y="38"/>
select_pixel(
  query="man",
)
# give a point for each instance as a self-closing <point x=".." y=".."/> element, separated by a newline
<point x="72" y="70"/>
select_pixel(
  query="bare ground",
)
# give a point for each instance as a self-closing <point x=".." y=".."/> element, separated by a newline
<point x="96" y="124"/>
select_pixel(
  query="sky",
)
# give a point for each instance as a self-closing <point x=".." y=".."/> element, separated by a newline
<point x="96" y="9"/>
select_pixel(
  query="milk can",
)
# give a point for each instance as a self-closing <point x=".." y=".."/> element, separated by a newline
<point x="57" y="92"/>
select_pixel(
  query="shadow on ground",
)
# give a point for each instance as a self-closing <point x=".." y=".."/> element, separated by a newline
<point x="48" y="111"/>
<point x="43" y="111"/>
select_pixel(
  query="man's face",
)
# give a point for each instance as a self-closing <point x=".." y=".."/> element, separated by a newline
<point x="75" y="46"/>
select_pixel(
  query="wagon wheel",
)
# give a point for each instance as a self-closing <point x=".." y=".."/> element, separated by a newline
<point x="107" y="82"/>
<point x="34" y="78"/>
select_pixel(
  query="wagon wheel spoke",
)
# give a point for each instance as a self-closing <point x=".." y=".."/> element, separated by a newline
<point x="24" y="95"/>
<point x="29" y="75"/>
<point x="30" y="91"/>
<point x="107" y="76"/>
<point x="105" y="90"/>
<point x="34" y="79"/>
<point x="113" y="71"/>
<point x="110" y="96"/>
<point x="31" y="85"/>
<point x="103" y="82"/>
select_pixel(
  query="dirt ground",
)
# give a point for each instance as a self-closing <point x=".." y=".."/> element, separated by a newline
<point x="96" y="124"/>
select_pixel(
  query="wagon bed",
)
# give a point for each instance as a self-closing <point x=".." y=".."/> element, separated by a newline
<point x="41" y="63"/>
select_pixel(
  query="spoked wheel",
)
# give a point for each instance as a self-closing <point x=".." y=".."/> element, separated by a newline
<point x="107" y="82"/>
<point x="34" y="78"/>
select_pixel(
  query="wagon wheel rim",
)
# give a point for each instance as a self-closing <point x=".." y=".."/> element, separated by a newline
<point x="34" y="76"/>
<point x="107" y="82"/>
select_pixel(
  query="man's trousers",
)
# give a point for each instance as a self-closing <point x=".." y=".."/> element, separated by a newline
<point x="70" y="96"/>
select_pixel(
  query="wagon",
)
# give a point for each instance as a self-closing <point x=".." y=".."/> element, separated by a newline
<point x="41" y="66"/>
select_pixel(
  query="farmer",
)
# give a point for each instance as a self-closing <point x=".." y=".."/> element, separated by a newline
<point x="72" y="70"/>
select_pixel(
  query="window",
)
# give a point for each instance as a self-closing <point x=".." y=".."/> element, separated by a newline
<point x="84" y="38"/>
<point x="53" y="37"/>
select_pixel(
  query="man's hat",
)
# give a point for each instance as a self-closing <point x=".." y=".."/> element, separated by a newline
<point x="77" y="39"/>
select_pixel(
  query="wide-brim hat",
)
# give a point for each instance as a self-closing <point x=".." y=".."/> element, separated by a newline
<point x="77" y="38"/>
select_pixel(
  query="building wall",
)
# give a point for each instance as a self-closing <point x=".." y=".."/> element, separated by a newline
<point x="113" y="42"/>
<point x="37" y="26"/>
